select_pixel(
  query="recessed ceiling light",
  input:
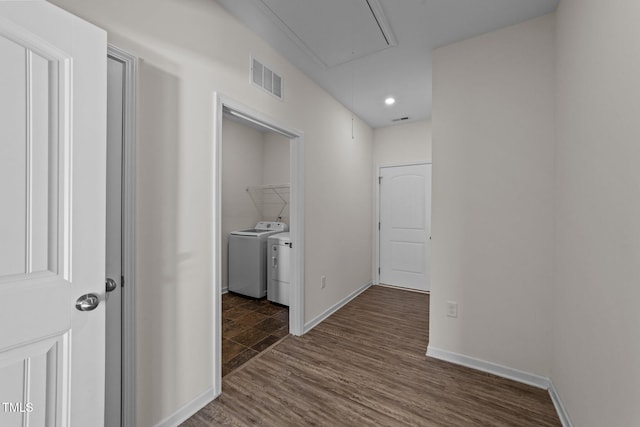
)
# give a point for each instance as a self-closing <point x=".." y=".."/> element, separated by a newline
<point x="390" y="101"/>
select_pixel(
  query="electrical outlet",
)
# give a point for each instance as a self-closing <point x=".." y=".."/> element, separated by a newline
<point x="452" y="309"/>
<point x="323" y="282"/>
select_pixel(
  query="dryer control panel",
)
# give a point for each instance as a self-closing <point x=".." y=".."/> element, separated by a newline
<point x="272" y="226"/>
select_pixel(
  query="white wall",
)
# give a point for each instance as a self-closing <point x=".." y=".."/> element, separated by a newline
<point x="491" y="107"/>
<point x="189" y="49"/>
<point x="402" y="143"/>
<point x="596" y="358"/>
<point x="492" y="219"/>
<point x="276" y="171"/>
<point x="276" y="159"/>
<point x="242" y="165"/>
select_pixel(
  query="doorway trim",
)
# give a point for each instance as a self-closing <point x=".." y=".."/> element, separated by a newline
<point x="128" y="394"/>
<point x="296" y="165"/>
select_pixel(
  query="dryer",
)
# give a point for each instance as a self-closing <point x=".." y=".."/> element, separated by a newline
<point x="279" y="269"/>
<point x="247" y="258"/>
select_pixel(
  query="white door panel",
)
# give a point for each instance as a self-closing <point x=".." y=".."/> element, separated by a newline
<point x="408" y="257"/>
<point x="405" y="205"/>
<point x="28" y="375"/>
<point x="52" y="108"/>
<point x="24" y="160"/>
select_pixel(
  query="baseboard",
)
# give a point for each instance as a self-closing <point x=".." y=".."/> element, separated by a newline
<point x="562" y="412"/>
<point x="505" y="372"/>
<point x="402" y="288"/>
<point x="188" y="409"/>
<point x="492" y="368"/>
<point x="224" y="290"/>
<point x="337" y="306"/>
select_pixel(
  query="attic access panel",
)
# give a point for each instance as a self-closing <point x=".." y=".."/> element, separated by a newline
<point x="332" y="32"/>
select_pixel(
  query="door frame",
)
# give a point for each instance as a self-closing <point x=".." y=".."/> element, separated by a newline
<point x="376" y="201"/>
<point x="296" y="166"/>
<point x="128" y="395"/>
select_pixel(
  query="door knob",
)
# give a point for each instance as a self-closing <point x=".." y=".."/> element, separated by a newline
<point x="110" y="285"/>
<point x="87" y="302"/>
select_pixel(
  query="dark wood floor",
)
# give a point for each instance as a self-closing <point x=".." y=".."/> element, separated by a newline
<point x="366" y="366"/>
<point x="249" y="326"/>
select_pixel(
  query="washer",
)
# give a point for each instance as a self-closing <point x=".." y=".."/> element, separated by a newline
<point x="279" y="270"/>
<point x="248" y="258"/>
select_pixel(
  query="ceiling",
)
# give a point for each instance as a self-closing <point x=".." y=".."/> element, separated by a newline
<point x="363" y="51"/>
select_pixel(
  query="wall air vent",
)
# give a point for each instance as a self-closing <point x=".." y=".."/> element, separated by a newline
<point x="267" y="79"/>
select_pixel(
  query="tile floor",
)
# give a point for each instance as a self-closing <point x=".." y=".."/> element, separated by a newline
<point x="249" y="327"/>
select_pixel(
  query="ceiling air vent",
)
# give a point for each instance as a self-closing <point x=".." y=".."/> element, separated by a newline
<point x="266" y="78"/>
<point x="400" y="119"/>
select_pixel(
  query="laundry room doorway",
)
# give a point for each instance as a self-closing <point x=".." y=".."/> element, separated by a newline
<point x="258" y="193"/>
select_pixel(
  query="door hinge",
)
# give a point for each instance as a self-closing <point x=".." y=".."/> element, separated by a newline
<point x="379" y="180"/>
<point x="379" y="225"/>
<point x="378" y="270"/>
<point x="122" y="281"/>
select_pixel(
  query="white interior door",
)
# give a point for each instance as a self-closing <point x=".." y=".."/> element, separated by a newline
<point x="113" y="265"/>
<point x="405" y="225"/>
<point x="52" y="221"/>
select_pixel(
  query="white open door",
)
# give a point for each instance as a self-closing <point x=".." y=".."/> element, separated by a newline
<point x="52" y="220"/>
<point x="405" y="226"/>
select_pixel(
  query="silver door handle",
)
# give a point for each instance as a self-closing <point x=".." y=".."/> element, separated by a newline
<point x="87" y="302"/>
<point x="110" y="285"/>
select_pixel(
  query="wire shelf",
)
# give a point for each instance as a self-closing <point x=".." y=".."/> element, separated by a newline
<point x="271" y="200"/>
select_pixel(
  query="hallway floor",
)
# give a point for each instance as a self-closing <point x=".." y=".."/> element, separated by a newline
<point x="366" y="366"/>
<point x="249" y="327"/>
